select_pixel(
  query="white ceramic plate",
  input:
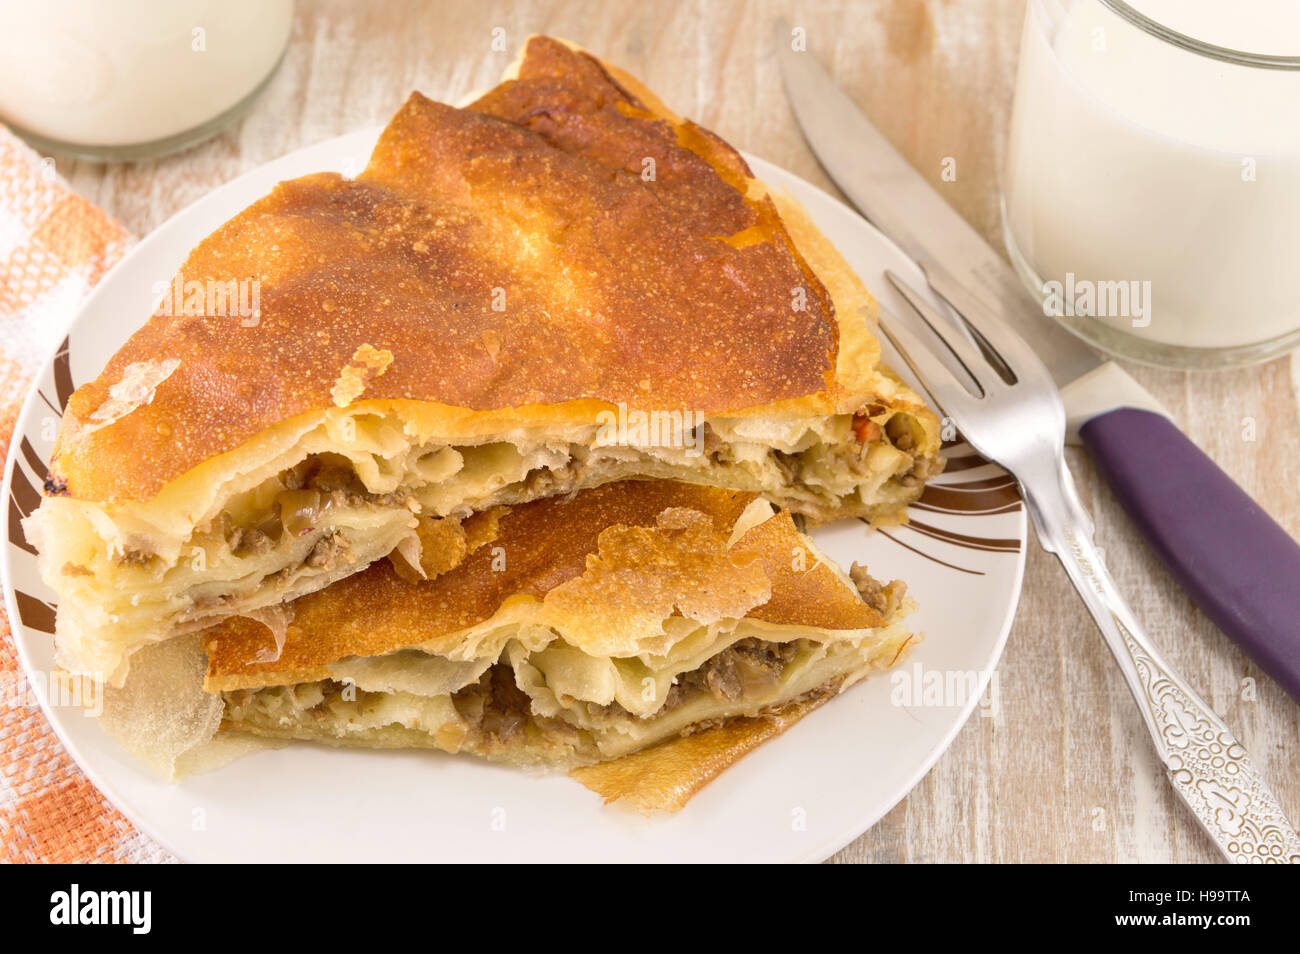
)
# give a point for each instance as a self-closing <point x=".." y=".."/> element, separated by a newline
<point x="798" y="798"/>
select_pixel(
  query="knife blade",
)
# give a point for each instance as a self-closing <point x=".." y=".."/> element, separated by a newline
<point x="1231" y="557"/>
<point x="897" y="199"/>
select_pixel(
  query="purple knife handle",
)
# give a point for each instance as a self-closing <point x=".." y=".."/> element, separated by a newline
<point x="1240" y="567"/>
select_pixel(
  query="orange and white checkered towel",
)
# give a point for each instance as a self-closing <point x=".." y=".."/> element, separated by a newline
<point x="54" y="246"/>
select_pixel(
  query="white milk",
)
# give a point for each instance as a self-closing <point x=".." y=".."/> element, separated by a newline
<point x="101" y="73"/>
<point x="1132" y="160"/>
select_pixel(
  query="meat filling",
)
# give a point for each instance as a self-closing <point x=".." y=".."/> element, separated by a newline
<point x="313" y="488"/>
<point x="322" y="483"/>
<point x="498" y="708"/>
<point x="328" y="552"/>
<point x="500" y="712"/>
<point x="495" y="704"/>
<point x="750" y="665"/>
<point x="881" y="597"/>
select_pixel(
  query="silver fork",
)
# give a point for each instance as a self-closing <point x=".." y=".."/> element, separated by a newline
<point x="1021" y="425"/>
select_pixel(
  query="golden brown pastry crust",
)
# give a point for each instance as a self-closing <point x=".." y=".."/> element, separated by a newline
<point x="675" y="293"/>
<point x="664" y="777"/>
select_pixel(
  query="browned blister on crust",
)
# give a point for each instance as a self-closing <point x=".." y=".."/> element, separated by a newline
<point x="639" y="576"/>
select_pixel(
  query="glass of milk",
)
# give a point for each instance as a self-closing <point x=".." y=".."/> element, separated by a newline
<point x="130" y="79"/>
<point x="1151" y="195"/>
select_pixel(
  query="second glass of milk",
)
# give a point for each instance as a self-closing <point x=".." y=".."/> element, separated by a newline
<point x="1151" y="196"/>
<point x="134" y="79"/>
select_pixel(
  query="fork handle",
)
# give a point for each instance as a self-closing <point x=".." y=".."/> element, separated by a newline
<point x="1240" y="567"/>
<point x="1209" y="769"/>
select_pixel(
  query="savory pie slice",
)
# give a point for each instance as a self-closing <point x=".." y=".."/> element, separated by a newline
<point x="560" y="285"/>
<point x="575" y="631"/>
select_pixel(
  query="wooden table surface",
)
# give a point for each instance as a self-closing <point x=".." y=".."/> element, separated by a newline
<point x="1064" y="772"/>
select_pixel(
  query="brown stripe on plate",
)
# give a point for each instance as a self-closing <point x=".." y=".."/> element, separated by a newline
<point x="63" y="386"/>
<point x="23" y="499"/>
<point x="932" y="559"/>
<point x="1002" y="544"/>
<point x="984" y="483"/>
<point x="962" y="462"/>
<point x="33" y="459"/>
<point x="1009" y="508"/>
<point x="978" y="496"/>
<point x="34" y="613"/>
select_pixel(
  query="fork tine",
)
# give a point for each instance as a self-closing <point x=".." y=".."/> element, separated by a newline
<point x="962" y="350"/>
<point x="942" y="385"/>
<point x="1014" y="352"/>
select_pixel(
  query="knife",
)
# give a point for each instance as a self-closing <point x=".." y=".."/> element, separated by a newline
<point x="1237" y="564"/>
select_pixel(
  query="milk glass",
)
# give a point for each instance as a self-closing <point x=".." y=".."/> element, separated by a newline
<point x="1151" y="195"/>
<point x="128" y="79"/>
